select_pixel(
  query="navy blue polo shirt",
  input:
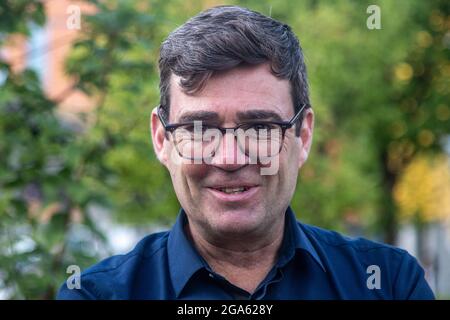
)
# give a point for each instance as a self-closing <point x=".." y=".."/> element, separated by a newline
<point x="312" y="263"/>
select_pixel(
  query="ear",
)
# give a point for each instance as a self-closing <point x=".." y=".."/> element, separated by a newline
<point x="306" y="135"/>
<point x="158" y="137"/>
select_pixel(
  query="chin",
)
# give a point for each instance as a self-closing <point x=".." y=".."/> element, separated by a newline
<point x="237" y="221"/>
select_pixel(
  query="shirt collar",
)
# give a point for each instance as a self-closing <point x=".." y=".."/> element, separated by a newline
<point x="185" y="261"/>
<point x="296" y="239"/>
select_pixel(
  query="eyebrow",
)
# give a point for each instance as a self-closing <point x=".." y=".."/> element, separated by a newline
<point x="190" y="116"/>
<point x="247" y="115"/>
<point x="258" y="115"/>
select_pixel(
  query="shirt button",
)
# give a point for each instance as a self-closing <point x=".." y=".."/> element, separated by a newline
<point x="211" y="275"/>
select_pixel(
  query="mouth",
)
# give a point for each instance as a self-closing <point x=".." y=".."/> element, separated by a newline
<point x="233" y="193"/>
<point x="232" y="190"/>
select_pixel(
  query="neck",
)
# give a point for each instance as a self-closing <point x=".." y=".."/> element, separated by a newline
<point x="242" y="259"/>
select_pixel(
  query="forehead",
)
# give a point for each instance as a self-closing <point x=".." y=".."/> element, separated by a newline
<point x="247" y="87"/>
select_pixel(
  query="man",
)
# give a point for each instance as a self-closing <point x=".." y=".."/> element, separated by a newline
<point x="234" y="101"/>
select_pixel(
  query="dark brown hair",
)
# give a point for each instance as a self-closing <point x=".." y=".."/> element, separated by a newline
<point x="224" y="37"/>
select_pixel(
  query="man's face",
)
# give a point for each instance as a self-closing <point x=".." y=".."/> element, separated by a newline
<point x="227" y="99"/>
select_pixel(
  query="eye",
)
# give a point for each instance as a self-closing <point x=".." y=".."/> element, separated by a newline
<point x="207" y="126"/>
<point x="192" y="129"/>
<point x="188" y="127"/>
<point x="261" y="126"/>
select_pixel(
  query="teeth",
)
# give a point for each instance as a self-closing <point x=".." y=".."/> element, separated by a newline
<point x="233" y="190"/>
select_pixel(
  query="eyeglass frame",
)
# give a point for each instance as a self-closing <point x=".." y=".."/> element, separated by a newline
<point x="284" y="125"/>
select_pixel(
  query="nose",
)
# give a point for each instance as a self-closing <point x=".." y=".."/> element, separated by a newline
<point x="229" y="156"/>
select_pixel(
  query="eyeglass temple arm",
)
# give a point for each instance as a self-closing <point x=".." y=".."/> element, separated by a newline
<point x="295" y="118"/>
<point x="158" y="111"/>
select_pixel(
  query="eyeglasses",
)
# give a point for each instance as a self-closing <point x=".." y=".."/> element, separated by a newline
<point x="256" y="139"/>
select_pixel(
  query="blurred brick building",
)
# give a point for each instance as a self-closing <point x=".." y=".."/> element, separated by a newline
<point x="46" y="50"/>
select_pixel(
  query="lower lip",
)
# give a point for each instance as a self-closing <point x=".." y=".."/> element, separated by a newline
<point x="234" y="197"/>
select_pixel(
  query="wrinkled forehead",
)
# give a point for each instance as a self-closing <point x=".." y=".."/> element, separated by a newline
<point x="236" y="90"/>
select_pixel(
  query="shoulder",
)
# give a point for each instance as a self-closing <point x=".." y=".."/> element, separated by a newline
<point x="111" y="278"/>
<point x="146" y="248"/>
<point x="333" y="240"/>
<point x="356" y="259"/>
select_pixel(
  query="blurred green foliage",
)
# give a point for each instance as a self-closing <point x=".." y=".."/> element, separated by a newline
<point x="44" y="179"/>
<point x="380" y="98"/>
